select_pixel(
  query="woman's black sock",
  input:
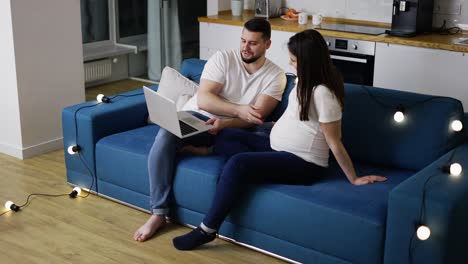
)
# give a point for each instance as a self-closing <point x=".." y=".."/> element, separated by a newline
<point x="193" y="239"/>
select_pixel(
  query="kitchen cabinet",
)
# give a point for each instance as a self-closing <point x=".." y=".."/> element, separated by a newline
<point x="399" y="67"/>
<point x="422" y="70"/>
<point x="214" y="37"/>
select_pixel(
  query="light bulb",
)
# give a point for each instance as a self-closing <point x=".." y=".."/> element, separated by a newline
<point x="72" y="150"/>
<point x="399" y="116"/>
<point x="77" y="189"/>
<point x="102" y="98"/>
<point x="9" y="205"/>
<point x="457" y="125"/>
<point x="455" y="169"/>
<point x="423" y="232"/>
<point x="75" y="192"/>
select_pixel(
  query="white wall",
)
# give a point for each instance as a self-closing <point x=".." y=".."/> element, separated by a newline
<point x="454" y="11"/>
<point x="48" y="58"/>
<point x="10" y="129"/>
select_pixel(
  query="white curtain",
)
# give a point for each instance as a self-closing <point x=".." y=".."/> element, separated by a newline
<point x="164" y="40"/>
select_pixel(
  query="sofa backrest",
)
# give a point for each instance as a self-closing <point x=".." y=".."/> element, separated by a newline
<point x="371" y="134"/>
<point x="465" y="124"/>
<point x="192" y="69"/>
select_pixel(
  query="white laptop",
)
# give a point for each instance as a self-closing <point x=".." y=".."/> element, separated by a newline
<point x="163" y="111"/>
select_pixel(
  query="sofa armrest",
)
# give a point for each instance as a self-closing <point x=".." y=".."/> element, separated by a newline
<point x="94" y="121"/>
<point x="445" y="213"/>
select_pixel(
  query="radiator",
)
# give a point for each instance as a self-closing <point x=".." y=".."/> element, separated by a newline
<point x="97" y="70"/>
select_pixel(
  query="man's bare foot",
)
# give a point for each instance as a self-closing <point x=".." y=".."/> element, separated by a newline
<point x="202" y="150"/>
<point x="147" y="230"/>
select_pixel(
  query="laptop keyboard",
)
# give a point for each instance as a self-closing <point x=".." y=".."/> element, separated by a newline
<point x="186" y="129"/>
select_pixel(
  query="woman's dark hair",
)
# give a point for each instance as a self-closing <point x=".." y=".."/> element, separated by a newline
<point x="259" y="25"/>
<point x="314" y="67"/>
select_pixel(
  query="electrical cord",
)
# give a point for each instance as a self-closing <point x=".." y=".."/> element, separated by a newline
<point x="93" y="176"/>
<point x="75" y="115"/>
<point x="5" y="212"/>
<point x="422" y="209"/>
<point x="387" y="105"/>
<point x="444" y="30"/>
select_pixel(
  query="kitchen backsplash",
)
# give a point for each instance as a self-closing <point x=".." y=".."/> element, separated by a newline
<point x="453" y="11"/>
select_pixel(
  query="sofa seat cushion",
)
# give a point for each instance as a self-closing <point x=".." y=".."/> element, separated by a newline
<point x="121" y="159"/>
<point x="315" y="216"/>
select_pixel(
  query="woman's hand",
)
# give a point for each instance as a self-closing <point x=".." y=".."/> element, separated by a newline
<point x="369" y="179"/>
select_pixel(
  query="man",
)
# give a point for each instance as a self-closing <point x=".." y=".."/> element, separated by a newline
<point x="237" y="89"/>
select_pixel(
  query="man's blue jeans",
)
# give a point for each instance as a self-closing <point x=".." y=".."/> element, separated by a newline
<point x="161" y="165"/>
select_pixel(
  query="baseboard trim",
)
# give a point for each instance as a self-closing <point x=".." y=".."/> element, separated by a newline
<point x="29" y="152"/>
<point x="42" y="148"/>
<point x="11" y="151"/>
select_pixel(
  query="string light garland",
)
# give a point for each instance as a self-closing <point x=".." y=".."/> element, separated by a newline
<point x="423" y="231"/>
<point x="103" y="99"/>
<point x="9" y="205"/>
<point x="456" y="125"/>
<point x="72" y="150"/>
<point x="399" y="115"/>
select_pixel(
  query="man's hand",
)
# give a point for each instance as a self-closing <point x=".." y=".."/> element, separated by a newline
<point x="250" y="113"/>
<point x="368" y="179"/>
<point x="218" y="125"/>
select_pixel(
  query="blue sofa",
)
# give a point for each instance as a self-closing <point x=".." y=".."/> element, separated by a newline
<point x="330" y="221"/>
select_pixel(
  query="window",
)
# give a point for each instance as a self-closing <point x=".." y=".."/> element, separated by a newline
<point x="95" y="22"/>
<point x="132" y="18"/>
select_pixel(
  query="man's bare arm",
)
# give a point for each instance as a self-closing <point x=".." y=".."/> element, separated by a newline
<point x="209" y="100"/>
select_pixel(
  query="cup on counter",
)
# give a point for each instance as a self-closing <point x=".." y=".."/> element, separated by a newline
<point x="317" y="19"/>
<point x="302" y="18"/>
<point x="236" y="7"/>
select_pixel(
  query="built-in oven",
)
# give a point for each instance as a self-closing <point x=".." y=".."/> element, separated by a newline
<point x="354" y="59"/>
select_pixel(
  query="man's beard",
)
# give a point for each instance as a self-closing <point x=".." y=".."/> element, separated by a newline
<point x="251" y="60"/>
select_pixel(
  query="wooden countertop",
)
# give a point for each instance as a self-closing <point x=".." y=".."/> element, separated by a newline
<point x="433" y="41"/>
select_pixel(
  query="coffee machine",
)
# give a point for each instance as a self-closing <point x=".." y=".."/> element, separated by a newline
<point x="267" y="8"/>
<point x="411" y="17"/>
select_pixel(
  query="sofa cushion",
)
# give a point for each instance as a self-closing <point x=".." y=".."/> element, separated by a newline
<point x="174" y="85"/>
<point x="370" y="134"/>
<point x="121" y="159"/>
<point x="315" y="216"/>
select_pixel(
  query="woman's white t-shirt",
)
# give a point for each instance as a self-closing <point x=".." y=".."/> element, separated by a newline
<point x="240" y="87"/>
<point x="305" y="138"/>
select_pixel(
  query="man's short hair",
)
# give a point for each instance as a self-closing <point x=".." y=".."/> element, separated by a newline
<point x="259" y="25"/>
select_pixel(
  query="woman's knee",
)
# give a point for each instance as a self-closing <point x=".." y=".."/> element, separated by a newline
<point x="240" y="164"/>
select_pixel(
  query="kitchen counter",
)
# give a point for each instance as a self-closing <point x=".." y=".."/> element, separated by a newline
<point x="433" y="41"/>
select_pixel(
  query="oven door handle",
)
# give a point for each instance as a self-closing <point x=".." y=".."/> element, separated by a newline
<point x="343" y="58"/>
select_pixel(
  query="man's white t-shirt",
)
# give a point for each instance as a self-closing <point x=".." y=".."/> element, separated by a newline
<point x="305" y="138"/>
<point x="240" y="87"/>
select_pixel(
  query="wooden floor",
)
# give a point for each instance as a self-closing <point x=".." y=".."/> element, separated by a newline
<point x="87" y="230"/>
